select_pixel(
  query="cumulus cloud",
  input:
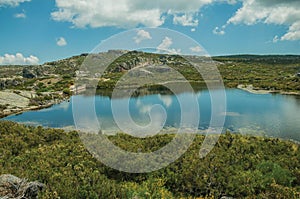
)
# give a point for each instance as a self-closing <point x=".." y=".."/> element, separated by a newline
<point x="196" y="49"/>
<point x="20" y="15"/>
<point x="275" y="39"/>
<point x="293" y="33"/>
<point x="218" y="31"/>
<point x="18" y="59"/>
<point x="61" y="41"/>
<point x="11" y="2"/>
<point x="185" y="20"/>
<point x="279" y="12"/>
<point x="126" y="13"/>
<point x="141" y="36"/>
<point x="231" y="1"/>
<point x="165" y="46"/>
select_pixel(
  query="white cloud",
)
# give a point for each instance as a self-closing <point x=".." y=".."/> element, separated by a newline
<point x="275" y="39"/>
<point x="185" y="20"/>
<point x="196" y="49"/>
<point x="61" y="41"/>
<point x="142" y="35"/>
<point x="18" y="59"/>
<point x="218" y="31"/>
<point x="165" y="45"/>
<point x="126" y="13"/>
<point x="279" y="12"/>
<point x="11" y="2"/>
<point x="20" y="15"/>
<point x="293" y="33"/>
<point x="231" y="1"/>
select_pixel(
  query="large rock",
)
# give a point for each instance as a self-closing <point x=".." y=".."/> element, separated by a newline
<point x="6" y="83"/>
<point x="14" y="187"/>
<point x="29" y="73"/>
<point x="35" y="71"/>
<point x="13" y="99"/>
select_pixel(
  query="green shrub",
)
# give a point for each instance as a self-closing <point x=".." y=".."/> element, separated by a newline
<point x="67" y="91"/>
<point x="238" y="166"/>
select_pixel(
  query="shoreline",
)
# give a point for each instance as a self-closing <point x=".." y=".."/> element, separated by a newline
<point x="174" y="131"/>
<point x="26" y="109"/>
<point x="16" y="110"/>
<point x="168" y="130"/>
<point x="19" y="110"/>
<point x="249" y="88"/>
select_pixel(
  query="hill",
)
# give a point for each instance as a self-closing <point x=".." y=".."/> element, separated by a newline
<point x="50" y="83"/>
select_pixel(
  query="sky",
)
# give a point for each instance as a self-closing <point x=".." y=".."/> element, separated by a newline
<point x="39" y="31"/>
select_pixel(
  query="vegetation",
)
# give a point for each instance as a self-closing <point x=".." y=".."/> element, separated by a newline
<point x="263" y="72"/>
<point x="238" y="166"/>
<point x="270" y="72"/>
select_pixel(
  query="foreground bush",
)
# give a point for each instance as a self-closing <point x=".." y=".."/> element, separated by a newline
<point x="239" y="166"/>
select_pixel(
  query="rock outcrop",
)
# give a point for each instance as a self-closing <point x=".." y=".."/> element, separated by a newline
<point x="28" y="73"/>
<point x="8" y="82"/>
<point x="33" y="71"/>
<point x="14" y="187"/>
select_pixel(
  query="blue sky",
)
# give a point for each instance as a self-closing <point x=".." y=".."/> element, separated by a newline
<point x="35" y="31"/>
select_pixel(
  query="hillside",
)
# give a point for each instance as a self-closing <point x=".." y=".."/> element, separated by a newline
<point x="49" y="83"/>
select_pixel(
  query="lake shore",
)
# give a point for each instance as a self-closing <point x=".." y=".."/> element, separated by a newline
<point x="17" y="102"/>
<point x="251" y="89"/>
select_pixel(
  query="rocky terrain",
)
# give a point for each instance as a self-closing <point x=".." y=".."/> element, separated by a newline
<point x="12" y="187"/>
<point x="25" y="88"/>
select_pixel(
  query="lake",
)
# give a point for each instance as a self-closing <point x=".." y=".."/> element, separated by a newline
<point x="271" y="115"/>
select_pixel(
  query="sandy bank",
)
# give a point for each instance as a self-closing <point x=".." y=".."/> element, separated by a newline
<point x="251" y="89"/>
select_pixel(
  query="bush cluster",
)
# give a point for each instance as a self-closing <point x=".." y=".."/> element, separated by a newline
<point x="239" y="166"/>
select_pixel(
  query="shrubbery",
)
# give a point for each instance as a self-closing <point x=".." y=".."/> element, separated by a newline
<point x="238" y="166"/>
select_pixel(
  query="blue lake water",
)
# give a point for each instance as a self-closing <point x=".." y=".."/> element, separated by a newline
<point x="257" y="114"/>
